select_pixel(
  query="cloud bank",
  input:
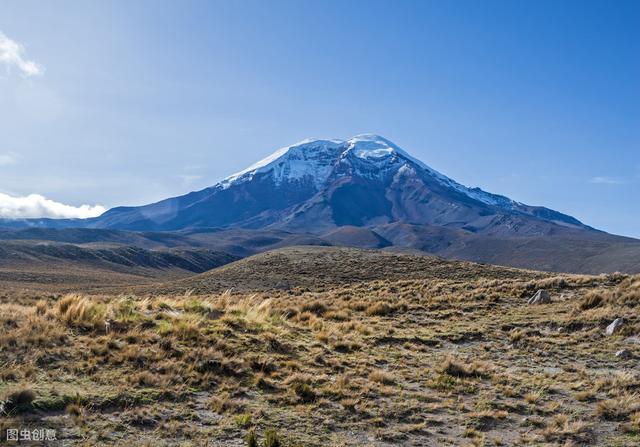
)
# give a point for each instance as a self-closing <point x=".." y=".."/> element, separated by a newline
<point x="8" y="159"/>
<point x="12" y="56"/>
<point x="35" y="206"/>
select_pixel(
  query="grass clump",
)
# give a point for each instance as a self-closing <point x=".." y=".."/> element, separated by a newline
<point x="252" y="439"/>
<point x="272" y="438"/>
<point x="618" y="408"/>
<point x="243" y="420"/>
<point x="380" y="309"/>
<point x="456" y="368"/>
<point x="381" y="376"/>
<point x="78" y="311"/>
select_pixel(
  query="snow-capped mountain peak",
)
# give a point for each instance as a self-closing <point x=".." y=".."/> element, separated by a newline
<point x="371" y="147"/>
<point x="320" y="184"/>
<point x="313" y="160"/>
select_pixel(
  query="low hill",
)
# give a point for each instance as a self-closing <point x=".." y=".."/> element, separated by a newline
<point x="563" y="250"/>
<point x="350" y="236"/>
<point x="320" y="268"/>
<point x="38" y="264"/>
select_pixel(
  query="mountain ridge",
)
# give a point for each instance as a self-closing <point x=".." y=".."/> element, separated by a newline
<point x="368" y="192"/>
<point x="301" y="180"/>
<point x="302" y="171"/>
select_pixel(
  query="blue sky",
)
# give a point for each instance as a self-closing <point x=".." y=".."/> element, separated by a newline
<point x="130" y="102"/>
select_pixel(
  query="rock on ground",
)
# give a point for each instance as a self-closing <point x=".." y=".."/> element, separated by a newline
<point x="615" y="326"/>
<point x="541" y="297"/>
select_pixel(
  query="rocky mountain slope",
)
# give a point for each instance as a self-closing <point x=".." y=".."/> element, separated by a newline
<point x="318" y="185"/>
<point x="362" y="192"/>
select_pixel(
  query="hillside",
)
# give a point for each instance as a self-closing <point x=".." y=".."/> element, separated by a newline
<point x="397" y="350"/>
<point x="321" y="268"/>
<point x="47" y="265"/>
<point x="567" y="251"/>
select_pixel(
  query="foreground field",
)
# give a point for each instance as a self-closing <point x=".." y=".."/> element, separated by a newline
<point x="450" y="360"/>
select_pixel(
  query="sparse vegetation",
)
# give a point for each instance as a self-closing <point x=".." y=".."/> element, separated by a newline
<point x="453" y="360"/>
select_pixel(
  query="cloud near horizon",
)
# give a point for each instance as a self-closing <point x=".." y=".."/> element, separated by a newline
<point x="12" y="55"/>
<point x="37" y="206"/>
<point x="605" y="181"/>
<point x="8" y="159"/>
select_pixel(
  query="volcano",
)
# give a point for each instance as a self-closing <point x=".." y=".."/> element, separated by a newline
<point x="367" y="192"/>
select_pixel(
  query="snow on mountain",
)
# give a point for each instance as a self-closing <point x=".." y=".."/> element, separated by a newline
<point x="314" y="160"/>
<point x="319" y="185"/>
<point x="308" y="158"/>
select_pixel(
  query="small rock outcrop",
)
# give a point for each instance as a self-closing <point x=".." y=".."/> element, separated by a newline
<point x="615" y="326"/>
<point x="541" y="297"/>
<point x="623" y="354"/>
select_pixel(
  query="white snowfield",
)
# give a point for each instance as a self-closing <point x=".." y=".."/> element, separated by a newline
<point x="314" y="160"/>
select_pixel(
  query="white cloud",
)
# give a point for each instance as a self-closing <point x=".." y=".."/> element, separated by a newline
<point x="12" y="55"/>
<point x="35" y="205"/>
<point x="605" y="181"/>
<point x="8" y="158"/>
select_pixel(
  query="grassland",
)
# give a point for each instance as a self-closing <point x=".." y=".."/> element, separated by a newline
<point x="453" y="358"/>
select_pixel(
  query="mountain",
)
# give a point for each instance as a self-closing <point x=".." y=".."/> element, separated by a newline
<point x="319" y="185"/>
<point x="368" y="192"/>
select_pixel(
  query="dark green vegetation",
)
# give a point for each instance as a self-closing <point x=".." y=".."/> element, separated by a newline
<point x="359" y="348"/>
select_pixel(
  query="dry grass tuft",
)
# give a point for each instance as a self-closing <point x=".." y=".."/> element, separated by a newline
<point x="618" y="408"/>
<point x="457" y="368"/>
<point x="382" y="376"/>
